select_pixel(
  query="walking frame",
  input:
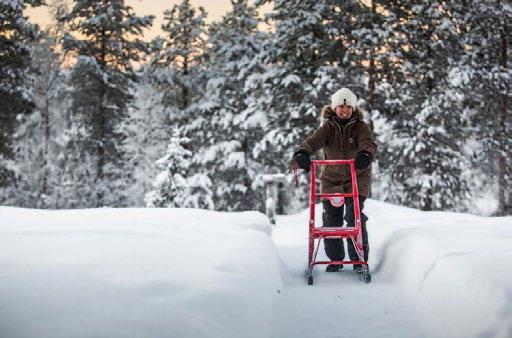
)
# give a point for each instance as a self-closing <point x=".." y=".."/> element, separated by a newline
<point x="350" y="233"/>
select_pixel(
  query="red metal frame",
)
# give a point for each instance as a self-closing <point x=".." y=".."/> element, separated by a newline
<point x="353" y="233"/>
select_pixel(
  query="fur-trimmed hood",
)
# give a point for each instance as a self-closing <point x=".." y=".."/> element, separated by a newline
<point x="327" y="112"/>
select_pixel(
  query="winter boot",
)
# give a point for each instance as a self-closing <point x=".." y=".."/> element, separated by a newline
<point x="358" y="268"/>
<point x="333" y="267"/>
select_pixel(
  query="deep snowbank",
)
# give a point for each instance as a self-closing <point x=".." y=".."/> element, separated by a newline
<point x="135" y="273"/>
<point x="456" y="268"/>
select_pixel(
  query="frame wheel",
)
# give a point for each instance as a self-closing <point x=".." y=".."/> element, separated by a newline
<point x="310" y="280"/>
<point x="365" y="277"/>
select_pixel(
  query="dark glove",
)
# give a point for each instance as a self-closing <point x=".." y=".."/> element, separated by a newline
<point x="302" y="159"/>
<point x="363" y="159"/>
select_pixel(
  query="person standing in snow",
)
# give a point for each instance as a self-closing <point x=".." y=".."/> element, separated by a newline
<point x="343" y="135"/>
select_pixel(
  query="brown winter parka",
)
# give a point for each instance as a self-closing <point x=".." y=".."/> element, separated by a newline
<point x="341" y="141"/>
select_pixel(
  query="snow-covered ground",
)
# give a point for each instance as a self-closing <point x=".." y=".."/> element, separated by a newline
<point x="195" y="273"/>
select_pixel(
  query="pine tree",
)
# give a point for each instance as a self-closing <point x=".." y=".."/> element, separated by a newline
<point x="37" y="151"/>
<point x="227" y="151"/>
<point x="106" y="43"/>
<point x="177" y="60"/>
<point x="485" y="77"/>
<point x="376" y="56"/>
<point x="174" y="187"/>
<point x="15" y="32"/>
<point x="178" y="69"/>
<point x="147" y="130"/>
<point x="427" y="158"/>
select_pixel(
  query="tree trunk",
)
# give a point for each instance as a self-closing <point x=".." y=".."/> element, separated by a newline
<point x="371" y="76"/>
<point x="503" y="204"/>
<point x="185" y="98"/>
<point x="100" y="141"/>
<point x="249" y="203"/>
<point x="46" y="141"/>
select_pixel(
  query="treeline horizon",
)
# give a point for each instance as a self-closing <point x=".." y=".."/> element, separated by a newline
<point x="93" y="116"/>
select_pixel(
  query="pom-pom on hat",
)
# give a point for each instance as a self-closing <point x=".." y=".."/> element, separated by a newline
<point x="344" y="96"/>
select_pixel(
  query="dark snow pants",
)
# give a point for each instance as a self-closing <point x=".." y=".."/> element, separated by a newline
<point x="333" y="217"/>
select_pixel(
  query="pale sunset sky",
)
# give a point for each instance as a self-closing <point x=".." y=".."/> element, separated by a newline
<point x="215" y="9"/>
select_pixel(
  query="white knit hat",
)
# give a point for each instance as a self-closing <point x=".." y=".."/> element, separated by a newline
<point x="343" y="96"/>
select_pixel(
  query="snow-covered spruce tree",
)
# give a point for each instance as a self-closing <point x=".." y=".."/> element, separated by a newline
<point x="173" y="186"/>
<point x="378" y="52"/>
<point x="177" y="59"/>
<point x="106" y="42"/>
<point x="15" y="99"/>
<point x="147" y="134"/>
<point x="486" y="79"/>
<point x="375" y="50"/>
<point x="39" y="154"/>
<point x="178" y="69"/>
<point x="426" y="157"/>
<point x="226" y="150"/>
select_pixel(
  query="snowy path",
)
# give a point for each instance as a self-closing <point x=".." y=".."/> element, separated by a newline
<point x="338" y="305"/>
<point x="427" y="278"/>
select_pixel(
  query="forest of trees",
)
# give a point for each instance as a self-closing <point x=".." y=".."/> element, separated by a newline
<point x="93" y="115"/>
